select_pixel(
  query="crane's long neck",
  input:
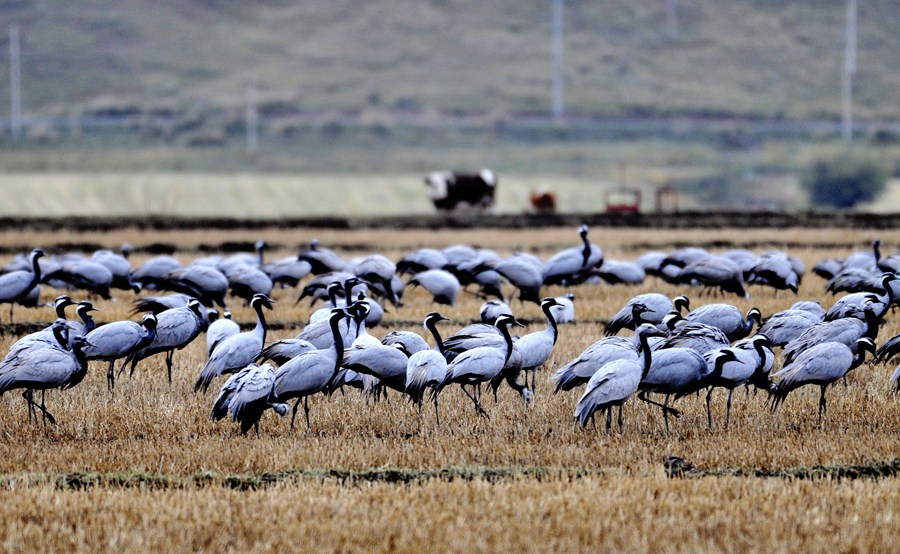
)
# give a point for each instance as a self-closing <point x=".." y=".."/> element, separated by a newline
<point x="551" y="322"/>
<point x="261" y="326"/>
<point x="859" y="359"/>
<point x="431" y="326"/>
<point x="871" y="324"/>
<point x="585" y="251"/>
<point x="338" y="343"/>
<point x="646" y="353"/>
<point x="332" y="296"/>
<point x="148" y="336"/>
<point x="762" y="356"/>
<point x="36" y="273"/>
<point x="504" y="329"/>
<point x="88" y="321"/>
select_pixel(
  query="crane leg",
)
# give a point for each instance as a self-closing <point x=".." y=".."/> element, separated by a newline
<point x="708" y="410"/>
<point x="28" y="395"/>
<point x="111" y="375"/>
<point x="294" y="415"/>
<point x="29" y="403"/>
<point x="728" y="408"/>
<point x="666" y="409"/>
<point x="437" y="417"/>
<point x="823" y="409"/>
<point x="11" y="305"/>
<point x="621" y="425"/>
<point x="169" y="355"/>
<point x="666" y="413"/>
<point x="608" y="420"/>
<point x="306" y="411"/>
<point x="478" y="409"/>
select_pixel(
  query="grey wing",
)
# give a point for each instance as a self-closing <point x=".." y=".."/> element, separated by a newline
<point x="255" y="386"/>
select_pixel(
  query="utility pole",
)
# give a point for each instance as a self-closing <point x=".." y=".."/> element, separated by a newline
<point x="558" y="103"/>
<point x="15" y="85"/>
<point x="847" y="73"/>
<point x="252" y="120"/>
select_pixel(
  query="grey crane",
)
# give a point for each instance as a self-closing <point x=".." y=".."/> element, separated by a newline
<point x="726" y="318"/>
<point x="492" y="309"/>
<point x="679" y="372"/>
<point x="321" y="259"/>
<point x="244" y="259"/>
<point x="385" y="363"/>
<point x="219" y="330"/>
<point x="44" y="367"/>
<point x="116" y="340"/>
<point x="311" y="372"/>
<point x="524" y="274"/>
<point x="246" y="397"/>
<point x="411" y="342"/>
<point x="15" y="285"/>
<point x="657" y="307"/>
<point x="821" y="364"/>
<point x="749" y="360"/>
<point x="564" y="311"/>
<point x="442" y="285"/>
<point x="203" y="282"/>
<point x="787" y="325"/>
<point x="614" y="383"/>
<point x="175" y="329"/>
<point x="287" y="272"/>
<point x="691" y="334"/>
<point x="846" y="331"/>
<point x="854" y="304"/>
<point x="715" y="272"/>
<point x="87" y="275"/>
<point x="156" y="304"/>
<point x="237" y="351"/>
<point x="774" y="270"/>
<point x="535" y="349"/>
<point x="585" y="365"/>
<point x="618" y="272"/>
<point x="427" y="368"/>
<point x="45" y="335"/>
<point x="245" y="282"/>
<point x="570" y="264"/>
<point x="281" y="351"/>
<point x="118" y="266"/>
<point x="421" y="260"/>
<point x="377" y="270"/>
<point x="154" y="270"/>
<point x="481" y="364"/>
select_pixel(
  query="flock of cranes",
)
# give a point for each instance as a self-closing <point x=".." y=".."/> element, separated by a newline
<point x="675" y="349"/>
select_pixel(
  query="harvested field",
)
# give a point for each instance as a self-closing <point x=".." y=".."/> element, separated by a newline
<point x="147" y="468"/>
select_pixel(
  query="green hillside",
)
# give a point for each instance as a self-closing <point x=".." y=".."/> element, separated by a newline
<point x="432" y="58"/>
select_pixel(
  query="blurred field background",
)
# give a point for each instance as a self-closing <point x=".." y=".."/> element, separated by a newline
<point x="146" y="467"/>
<point x="730" y="102"/>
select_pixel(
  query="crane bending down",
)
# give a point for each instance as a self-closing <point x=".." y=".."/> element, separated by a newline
<point x="45" y="367"/>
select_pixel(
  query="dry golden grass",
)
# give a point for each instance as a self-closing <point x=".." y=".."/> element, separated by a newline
<point x="151" y="427"/>
<point x="591" y="514"/>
